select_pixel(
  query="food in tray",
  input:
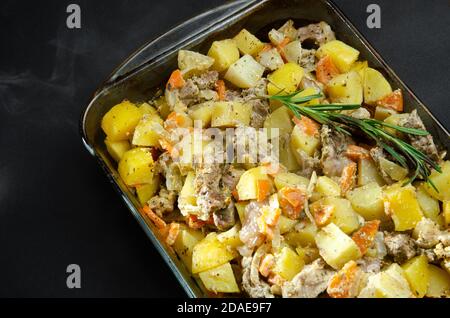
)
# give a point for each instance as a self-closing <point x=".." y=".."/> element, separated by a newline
<point x="354" y="202"/>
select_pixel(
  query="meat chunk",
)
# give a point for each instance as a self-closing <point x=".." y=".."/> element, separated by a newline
<point x="256" y="97"/>
<point x="422" y="143"/>
<point x="198" y="89"/>
<point x="206" y="80"/>
<point x="320" y="33"/>
<point x="308" y="164"/>
<point x="370" y="265"/>
<point x="308" y="60"/>
<point x="310" y="282"/>
<point x="224" y="219"/>
<point x="171" y="171"/>
<point x="164" y="202"/>
<point x="428" y="234"/>
<point x="334" y="145"/>
<point x="443" y="253"/>
<point x="251" y="282"/>
<point x="400" y="246"/>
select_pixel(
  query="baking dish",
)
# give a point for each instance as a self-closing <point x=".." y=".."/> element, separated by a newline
<point x="140" y="77"/>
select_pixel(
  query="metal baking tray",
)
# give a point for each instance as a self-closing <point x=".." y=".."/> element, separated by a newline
<point x="143" y="73"/>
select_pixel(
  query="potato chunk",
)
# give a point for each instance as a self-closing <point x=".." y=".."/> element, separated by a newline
<point x="289" y="179"/>
<point x="442" y="183"/>
<point x="327" y="187"/>
<point x="428" y="204"/>
<point x="187" y="194"/>
<point x="247" y="186"/>
<point x="245" y="72"/>
<point x="185" y="242"/>
<point x="417" y="273"/>
<point x="288" y="263"/>
<point x="335" y="247"/>
<point x="230" y="114"/>
<point x="343" y="55"/>
<point x="193" y="62"/>
<point x="368" y="201"/>
<point x="224" y="53"/>
<point x="279" y="119"/>
<point x="390" y="283"/>
<point x="117" y="148"/>
<point x="119" y="122"/>
<point x="346" y="88"/>
<point x="220" y="279"/>
<point x="136" y="167"/>
<point x="285" y="80"/>
<point x="300" y="140"/>
<point x="343" y="214"/>
<point x="375" y="86"/>
<point x="368" y="173"/>
<point x="303" y="235"/>
<point x="247" y="43"/>
<point x="401" y="204"/>
<point x="202" y="112"/>
<point x="148" y="131"/>
<point x="210" y="253"/>
<point x="286" y="224"/>
<point x="439" y="283"/>
<point x="146" y="191"/>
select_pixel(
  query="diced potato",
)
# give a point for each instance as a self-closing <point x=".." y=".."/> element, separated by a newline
<point x="381" y="113"/>
<point x="279" y="119"/>
<point x="185" y="242"/>
<point x="393" y="170"/>
<point x="220" y="279"/>
<point x="394" y="119"/>
<point x="245" y="72"/>
<point x="270" y="59"/>
<point x="343" y="214"/>
<point x="343" y="55"/>
<point x="360" y="67"/>
<point x="288" y="29"/>
<point x="224" y="53"/>
<point x="285" y="80"/>
<point x="117" y="148"/>
<point x="230" y="114"/>
<point x="146" y="191"/>
<point x="136" y="167"/>
<point x="304" y="236"/>
<point x="335" y="247"/>
<point x="231" y="237"/>
<point x="346" y="88"/>
<point x="441" y="182"/>
<point x="286" y="224"/>
<point x="402" y="206"/>
<point x="327" y="187"/>
<point x="417" y="273"/>
<point x="293" y="52"/>
<point x="288" y="263"/>
<point x="368" y="201"/>
<point x="148" y="131"/>
<point x="240" y="207"/>
<point x="428" y="204"/>
<point x="308" y="253"/>
<point x="439" y="283"/>
<point x="210" y="253"/>
<point x="193" y="62"/>
<point x="446" y="212"/>
<point x="289" y="179"/>
<point x="368" y="173"/>
<point x="247" y="185"/>
<point x="308" y="91"/>
<point x="187" y="194"/>
<point x="392" y="284"/>
<point x="286" y="154"/>
<point x="202" y="112"/>
<point x="119" y="122"/>
<point x="301" y="140"/>
<point x="247" y="43"/>
<point x="162" y="106"/>
<point x="375" y="86"/>
<point x="146" y="109"/>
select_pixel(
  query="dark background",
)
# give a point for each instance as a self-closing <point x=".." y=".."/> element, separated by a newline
<point x="56" y="206"/>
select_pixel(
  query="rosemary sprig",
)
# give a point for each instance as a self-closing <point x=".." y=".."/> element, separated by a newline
<point x="402" y="152"/>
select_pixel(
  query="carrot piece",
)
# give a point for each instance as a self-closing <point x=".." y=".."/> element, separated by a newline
<point x="309" y="126"/>
<point x="280" y="47"/>
<point x="160" y="223"/>
<point x="355" y="152"/>
<point x="174" y="120"/>
<point x="345" y="282"/>
<point x="266" y="47"/>
<point x="166" y="145"/>
<point x="262" y="189"/>
<point x="326" y="70"/>
<point x="174" y="230"/>
<point x="393" y="101"/>
<point x="195" y="223"/>
<point x="176" y="80"/>
<point x="365" y="235"/>
<point x="323" y="215"/>
<point x="292" y="201"/>
<point x="267" y="265"/>
<point x="221" y="89"/>
<point x="348" y="177"/>
<point x="271" y="216"/>
<point x="235" y="194"/>
<point x="272" y="169"/>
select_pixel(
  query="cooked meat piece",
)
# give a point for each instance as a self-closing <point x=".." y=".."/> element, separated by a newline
<point x="256" y="97"/>
<point x="443" y="253"/>
<point x="370" y="265"/>
<point x="320" y="33"/>
<point x="250" y="234"/>
<point x="225" y="218"/>
<point x="428" y="234"/>
<point x="232" y="95"/>
<point x="400" y="246"/>
<point x="164" y="202"/>
<point x="310" y="282"/>
<point x="206" y="80"/>
<point x="251" y="282"/>
<point x="189" y="91"/>
<point x="308" y="164"/>
<point x="422" y="143"/>
<point x="360" y="113"/>
<point x="334" y="145"/>
<point x="308" y="60"/>
<point x="230" y="177"/>
<point x="210" y="197"/>
<point x="379" y="246"/>
<point x="377" y="153"/>
<point x="309" y="80"/>
<point x="171" y="171"/>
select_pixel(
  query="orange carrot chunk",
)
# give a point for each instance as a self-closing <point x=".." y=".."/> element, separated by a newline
<point x="292" y="201"/>
<point x="221" y="89"/>
<point x="262" y="189"/>
<point x="323" y="215"/>
<point x="174" y="230"/>
<point x="326" y="70"/>
<point x="345" y="283"/>
<point x="280" y="48"/>
<point x="348" y="177"/>
<point x="393" y="101"/>
<point x="365" y="235"/>
<point x="355" y="152"/>
<point x="160" y="224"/>
<point x="176" y="80"/>
<point x="309" y="126"/>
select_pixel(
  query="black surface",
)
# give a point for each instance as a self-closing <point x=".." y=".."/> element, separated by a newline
<point x="56" y="207"/>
